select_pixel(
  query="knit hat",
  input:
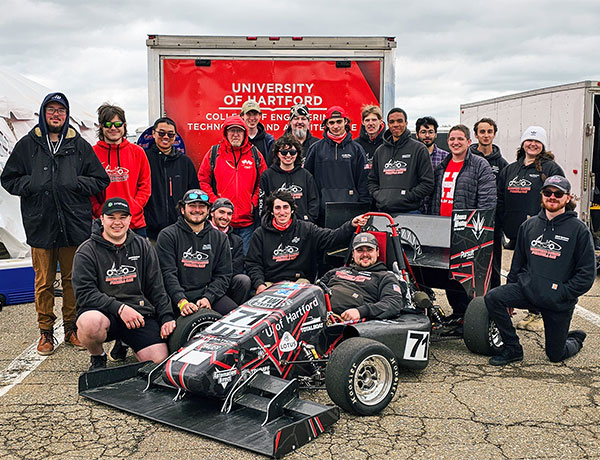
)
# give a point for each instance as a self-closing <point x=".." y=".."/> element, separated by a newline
<point x="535" y="133"/>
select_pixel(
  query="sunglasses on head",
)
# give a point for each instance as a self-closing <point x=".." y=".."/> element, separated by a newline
<point x="557" y="193"/>
<point x="196" y="196"/>
<point x="288" y="152"/>
<point x="110" y="124"/>
<point x="169" y="134"/>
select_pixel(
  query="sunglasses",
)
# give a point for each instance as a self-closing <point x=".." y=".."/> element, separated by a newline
<point x="110" y="124"/>
<point x="548" y="193"/>
<point x="169" y="134"/>
<point x="290" y="153"/>
<point x="198" y="196"/>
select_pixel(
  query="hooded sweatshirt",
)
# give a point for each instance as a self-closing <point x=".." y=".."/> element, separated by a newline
<point x="194" y="265"/>
<point x="172" y="176"/>
<point x="519" y="188"/>
<point x="299" y="182"/>
<point x="55" y="183"/>
<point x="127" y="166"/>
<point x="368" y="144"/>
<point x="263" y="141"/>
<point x="290" y="254"/>
<point x="234" y="175"/>
<point x="402" y="175"/>
<point x="105" y="276"/>
<point x="373" y="291"/>
<point x="495" y="159"/>
<point x="554" y="261"/>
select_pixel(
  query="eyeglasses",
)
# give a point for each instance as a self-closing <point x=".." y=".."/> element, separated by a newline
<point x="288" y="152"/>
<point x="335" y="122"/>
<point x="196" y="196"/>
<point x="557" y="193"/>
<point x="52" y="111"/>
<point x="110" y="124"/>
<point x="169" y="134"/>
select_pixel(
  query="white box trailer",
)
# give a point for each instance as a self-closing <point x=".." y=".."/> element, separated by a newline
<point x="569" y="113"/>
<point x="200" y="80"/>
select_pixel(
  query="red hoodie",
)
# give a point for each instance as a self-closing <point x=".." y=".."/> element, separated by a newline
<point x="127" y="166"/>
<point x="235" y="175"/>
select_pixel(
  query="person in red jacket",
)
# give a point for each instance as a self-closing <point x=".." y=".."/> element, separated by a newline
<point x="125" y="163"/>
<point x="235" y="175"/>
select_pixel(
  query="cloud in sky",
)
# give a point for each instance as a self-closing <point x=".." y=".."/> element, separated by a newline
<point x="448" y="52"/>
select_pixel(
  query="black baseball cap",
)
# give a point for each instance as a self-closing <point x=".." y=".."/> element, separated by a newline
<point x="116" y="204"/>
<point x="559" y="182"/>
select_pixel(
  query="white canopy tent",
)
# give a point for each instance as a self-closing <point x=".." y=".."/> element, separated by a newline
<point x="20" y="100"/>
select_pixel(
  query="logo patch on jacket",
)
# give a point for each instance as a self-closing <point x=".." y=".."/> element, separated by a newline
<point x="194" y="259"/>
<point x="517" y="185"/>
<point x="545" y="248"/>
<point x="394" y="167"/>
<point x="120" y="275"/>
<point x="281" y="254"/>
<point x="117" y="174"/>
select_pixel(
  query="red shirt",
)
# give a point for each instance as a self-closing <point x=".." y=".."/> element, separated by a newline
<point x="448" y="183"/>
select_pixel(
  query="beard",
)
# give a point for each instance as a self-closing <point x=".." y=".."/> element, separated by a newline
<point x="554" y="206"/>
<point x="299" y="133"/>
<point x="55" y="129"/>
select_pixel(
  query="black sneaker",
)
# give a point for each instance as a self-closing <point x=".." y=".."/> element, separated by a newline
<point x="97" y="362"/>
<point x="578" y="335"/>
<point x="507" y="356"/>
<point x="118" y="351"/>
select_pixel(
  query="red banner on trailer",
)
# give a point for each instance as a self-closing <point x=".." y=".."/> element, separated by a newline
<point x="199" y="94"/>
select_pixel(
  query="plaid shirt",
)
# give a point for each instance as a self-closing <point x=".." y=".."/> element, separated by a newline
<point x="437" y="156"/>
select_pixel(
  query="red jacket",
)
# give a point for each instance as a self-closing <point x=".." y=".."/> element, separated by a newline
<point x="127" y="166"/>
<point x="235" y="176"/>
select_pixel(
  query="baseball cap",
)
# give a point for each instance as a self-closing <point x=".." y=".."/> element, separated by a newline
<point x="335" y="112"/>
<point x="196" y="195"/>
<point x="299" y="110"/>
<point x="115" y="204"/>
<point x="222" y="203"/>
<point x="365" y="239"/>
<point x="535" y="133"/>
<point x="249" y="106"/>
<point x="559" y="182"/>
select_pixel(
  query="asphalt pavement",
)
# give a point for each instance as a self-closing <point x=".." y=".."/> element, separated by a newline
<point x="458" y="407"/>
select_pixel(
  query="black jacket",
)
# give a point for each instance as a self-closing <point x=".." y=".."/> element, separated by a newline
<point x="106" y="276"/>
<point x="369" y="145"/>
<point x="338" y="170"/>
<point x="237" y="252"/>
<point x="402" y="175"/>
<point x="172" y="175"/>
<point x="194" y="265"/>
<point x="475" y="186"/>
<point x="554" y="261"/>
<point x="519" y="188"/>
<point x="374" y="291"/>
<point x="495" y="159"/>
<point x="263" y="141"/>
<point x="287" y="255"/>
<point x="299" y="182"/>
<point x="55" y="189"/>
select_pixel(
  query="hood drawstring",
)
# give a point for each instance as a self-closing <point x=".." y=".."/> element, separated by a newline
<point x="109" y="148"/>
<point x="53" y="149"/>
<point x="118" y="156"/>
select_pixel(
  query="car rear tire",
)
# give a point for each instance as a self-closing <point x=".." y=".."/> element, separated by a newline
<point x="362" y="376"/>
<point x="190" y="325"/>
<point x="480" y="333"/>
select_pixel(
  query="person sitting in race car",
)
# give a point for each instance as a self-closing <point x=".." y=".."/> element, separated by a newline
<point x="119" y="290"/>
<point x="285" y="248"/>
<point x="195" y="259"/>
<point x="287" y="173"/>
<point x="365" y="289"/>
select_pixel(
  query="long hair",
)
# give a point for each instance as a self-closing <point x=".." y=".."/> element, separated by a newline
<point x="289" y="140"/>
<point x="539" y="159"/>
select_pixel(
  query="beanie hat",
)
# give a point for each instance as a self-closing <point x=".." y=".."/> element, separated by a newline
<point x="535" y="133"/>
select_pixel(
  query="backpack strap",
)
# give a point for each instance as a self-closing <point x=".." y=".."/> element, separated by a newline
<point x="213" y="161"/>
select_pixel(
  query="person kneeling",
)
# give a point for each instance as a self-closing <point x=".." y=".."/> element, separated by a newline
<point x="365" y="289"/>
<point x="119" y="289"/>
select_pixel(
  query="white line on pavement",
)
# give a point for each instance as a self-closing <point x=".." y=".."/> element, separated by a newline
<point x="26" y="362"/>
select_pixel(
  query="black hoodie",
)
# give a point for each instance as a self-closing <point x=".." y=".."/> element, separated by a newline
<point x="495" y="159"/>
<point x="299" y="182"/>
<point x="194" y="265"/>
<point x="263" y="141"/>
<point x="171" y="175"/>
<point x="402" y="175"/>
<point x="554" y="261"/>
<point x="287" y="255"/>
<point x="106" y="276"/>
<point x="370" y="145"/>
<point x="55" y="188"/>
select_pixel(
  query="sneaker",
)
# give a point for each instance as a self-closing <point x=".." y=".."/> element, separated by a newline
<point x="118" y="351"/>
<point x="45" y="346"/>
<point x="506" y="356"/>
<point x="525" y="321"/>
<point x="97" y="362"/>
<point x="578" y="335"/>
<point x="536" y="324"/>
<point x="71" y="339"/>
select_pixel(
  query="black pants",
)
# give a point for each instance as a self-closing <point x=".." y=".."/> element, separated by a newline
<point x="239" y="288"/>
<point x="458" y="299"/>
<point x="496" y="274"/>
<point x="556" y="323"/>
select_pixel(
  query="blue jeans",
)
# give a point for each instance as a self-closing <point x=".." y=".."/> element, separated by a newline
<point x="245" y="233"/>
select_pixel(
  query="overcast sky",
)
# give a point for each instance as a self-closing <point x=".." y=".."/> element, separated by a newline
<point x="449" y="52"/>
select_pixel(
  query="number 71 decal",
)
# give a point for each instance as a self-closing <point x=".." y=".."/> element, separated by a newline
<point x="417" y="346"/>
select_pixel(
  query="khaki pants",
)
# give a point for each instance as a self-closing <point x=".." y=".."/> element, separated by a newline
<point x="44" y="265"/>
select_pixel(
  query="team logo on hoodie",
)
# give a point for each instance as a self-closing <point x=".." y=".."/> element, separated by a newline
<point x="194" y="259"/>
<point x="394" y="167"/>
<point x="295" y="190"/>
<point x="545" y="248"/>
<point x="281" y="254"/>
<point x="117" y="174"/>
<point x="120" y="275"/>
<point x="518" y="185"/>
